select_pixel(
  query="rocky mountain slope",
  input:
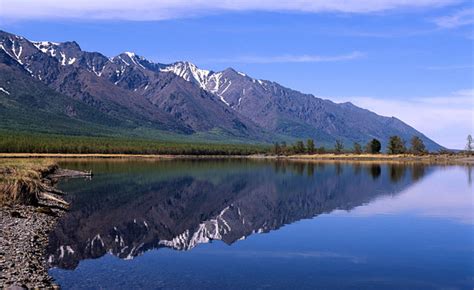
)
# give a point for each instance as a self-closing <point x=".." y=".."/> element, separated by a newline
<point x="129" y="94"/>
<point x="111" y="86"/>
<point x="28" y="104"/>
<point x="292" y="113"/>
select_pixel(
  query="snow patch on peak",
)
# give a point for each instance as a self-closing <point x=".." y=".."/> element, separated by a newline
<point x="47" y="47"/>
<point x="125" y="62"/>
<point x="51" y="48"/>
<point x="63" y="58"/>
<point x="17" y="51"/>
<point x="217" y="83"/>
<point x="130" y="54"/>
<point x="4" y="91"/>
<point x="98" y="73"/>
<point x="213" y="82"/>
<point x="189" y="72"/>
<point x="45" y="43"/>
<point x="215" y="79"/>
<point x="133" y="57"/>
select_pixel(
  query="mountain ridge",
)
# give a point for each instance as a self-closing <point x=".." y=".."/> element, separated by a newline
<point x="235" y="98"/>
<point x="187" y="100"/>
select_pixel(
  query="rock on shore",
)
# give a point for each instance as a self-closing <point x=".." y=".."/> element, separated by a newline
<point x="23" y="240"/>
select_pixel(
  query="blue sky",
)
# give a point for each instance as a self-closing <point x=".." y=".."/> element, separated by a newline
<point x="409" y="59"/>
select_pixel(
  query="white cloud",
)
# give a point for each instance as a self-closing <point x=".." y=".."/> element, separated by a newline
<point x="445" y="119"/>
<point x="167" y="9"/>
<point x="289" y="58"/>
<point x="460" y="18"/>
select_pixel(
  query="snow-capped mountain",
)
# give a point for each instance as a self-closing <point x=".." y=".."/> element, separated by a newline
<point x="291" y="113"/>
<point x="126" y="87"/>
<point x="190" y="72"/>
<point x="57" y="50"/>
<point x="214" y="82"/>
<point x="184" y="99"/>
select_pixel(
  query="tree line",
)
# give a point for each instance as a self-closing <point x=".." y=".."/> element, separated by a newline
<point x="31" y="143"/>
<point x="396" y="145"/>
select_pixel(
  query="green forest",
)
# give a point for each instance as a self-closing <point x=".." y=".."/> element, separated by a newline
<point x="49" y="143"/>
<point x="52" y="143"/>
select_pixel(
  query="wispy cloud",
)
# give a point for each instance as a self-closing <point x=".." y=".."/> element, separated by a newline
<point x="460" y="18"/>
<point x="445" y="119"/>
<point x="288" y="58"/>
<point x="140" y="10"/>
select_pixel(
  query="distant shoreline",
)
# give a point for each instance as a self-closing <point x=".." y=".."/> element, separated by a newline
<point x="427" y="158"/>
<point x="454" y="159"/>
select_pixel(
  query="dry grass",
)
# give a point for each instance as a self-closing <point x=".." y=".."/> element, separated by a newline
<point x="21" y="181"/>
<point x="459" y="159"/>
<point x="346" y="157"/>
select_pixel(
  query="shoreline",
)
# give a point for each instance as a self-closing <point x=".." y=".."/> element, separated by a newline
<point x="443" y="159"/>
<point x="448" y="159"/>
<point x="24" y="230"/>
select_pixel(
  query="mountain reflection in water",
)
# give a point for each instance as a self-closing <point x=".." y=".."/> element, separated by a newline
<point x="131" y="207"/>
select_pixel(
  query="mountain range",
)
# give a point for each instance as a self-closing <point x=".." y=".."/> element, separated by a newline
<point x="48" y="87"/>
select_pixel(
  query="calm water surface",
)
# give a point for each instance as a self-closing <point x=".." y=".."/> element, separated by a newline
<point x="265" y="225"/>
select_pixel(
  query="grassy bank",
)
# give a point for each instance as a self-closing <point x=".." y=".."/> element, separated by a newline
<point x="21" y="181"/>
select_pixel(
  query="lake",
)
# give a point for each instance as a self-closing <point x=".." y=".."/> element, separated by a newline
<point x="242" y="224"/>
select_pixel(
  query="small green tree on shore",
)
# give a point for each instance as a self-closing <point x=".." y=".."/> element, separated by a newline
<point x="374" y="146"/>
<point x="396" y="145"/>
<point x="357" y="148"/>
<point x="321" y="150"/>
<point x="469" y="144"/>
<point x="417" y="145"/>
<point x="277" y="149"/>
<point x="338" y="146"/>
<point x="310" y="146"/>
<point x="284" y="148"/>
<point x="299" y="148"/>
